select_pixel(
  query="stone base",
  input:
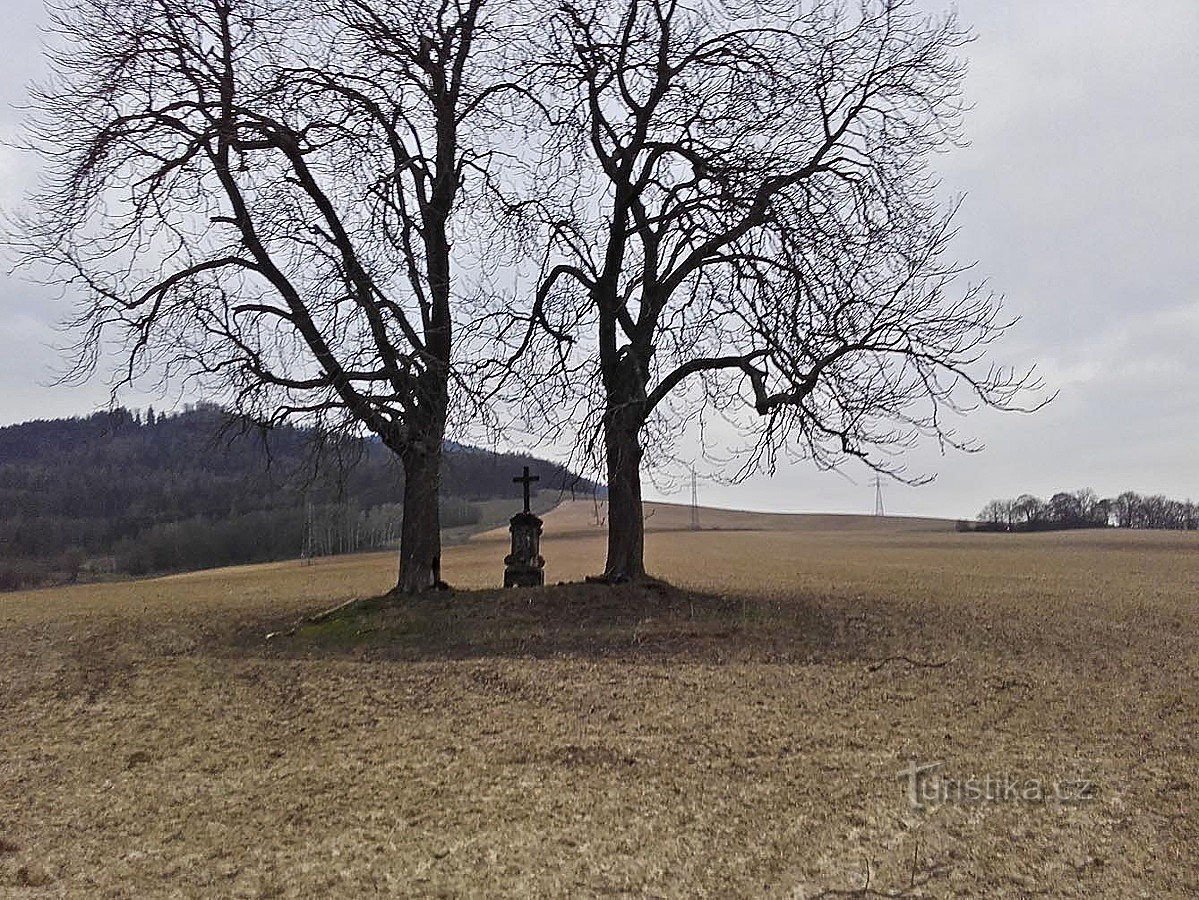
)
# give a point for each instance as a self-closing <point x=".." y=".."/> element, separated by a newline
<point x="524" y="578"/>
<point x="523" y="566"/>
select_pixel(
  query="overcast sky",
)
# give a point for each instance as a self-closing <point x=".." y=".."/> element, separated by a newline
<point x="1082" y="185"/>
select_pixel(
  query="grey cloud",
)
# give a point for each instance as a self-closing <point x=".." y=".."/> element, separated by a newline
<point x="1083" y="208"/>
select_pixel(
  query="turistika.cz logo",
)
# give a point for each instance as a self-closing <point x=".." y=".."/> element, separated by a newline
<point x="928" y="787"/>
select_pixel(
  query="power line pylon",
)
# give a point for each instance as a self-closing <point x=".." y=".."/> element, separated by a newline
<point x="878" y="496"/>
<point x="694" y="503"/>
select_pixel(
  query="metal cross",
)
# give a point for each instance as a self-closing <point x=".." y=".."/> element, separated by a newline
<point x="526" y="480"/>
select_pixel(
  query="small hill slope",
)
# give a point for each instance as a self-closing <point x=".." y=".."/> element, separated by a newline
<point x="587" y="516"/>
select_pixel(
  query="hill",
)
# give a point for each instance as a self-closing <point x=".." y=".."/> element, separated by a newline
<point x="122" y="493"/>
<point x="589" y="515"/>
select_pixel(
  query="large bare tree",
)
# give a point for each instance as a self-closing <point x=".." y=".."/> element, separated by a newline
<point x="263" y="196"/>
<point x="752" y="229"/>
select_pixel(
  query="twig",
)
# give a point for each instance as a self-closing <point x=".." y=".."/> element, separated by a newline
<point x="874" y="667"/>
<point x="317" y="618"/>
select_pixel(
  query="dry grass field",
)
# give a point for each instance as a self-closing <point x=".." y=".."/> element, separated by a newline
<point x="740" y="734"/>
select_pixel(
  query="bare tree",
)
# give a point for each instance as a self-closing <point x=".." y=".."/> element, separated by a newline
<point x="1126" y="506"/>
<point x="753" y="228"/>
<point x="998" y="514"/>
<point x="1030" y="510"/>
<point x="261" y="196"/>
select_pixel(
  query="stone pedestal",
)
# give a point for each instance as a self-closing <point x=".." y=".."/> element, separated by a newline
<point x="524" y="566"/>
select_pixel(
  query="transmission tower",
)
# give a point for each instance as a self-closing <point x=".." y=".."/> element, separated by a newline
<point x="694" y="503"/>
<point x="878" y="496"/>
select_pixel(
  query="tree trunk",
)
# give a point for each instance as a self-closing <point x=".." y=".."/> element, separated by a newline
<point x="420" y="530"/>
<point x="626" y="522"/>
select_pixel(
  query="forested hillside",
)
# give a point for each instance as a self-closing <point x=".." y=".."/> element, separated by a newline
<point x="124" y="492"/>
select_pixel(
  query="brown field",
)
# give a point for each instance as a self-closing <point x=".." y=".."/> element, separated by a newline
<point x="740" y="735"/>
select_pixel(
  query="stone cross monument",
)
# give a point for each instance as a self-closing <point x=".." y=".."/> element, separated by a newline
<point x="524" y="566"/>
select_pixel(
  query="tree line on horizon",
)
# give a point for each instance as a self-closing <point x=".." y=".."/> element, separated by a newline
<point x="1086" y="509"/>
<point x="620" y="225"/>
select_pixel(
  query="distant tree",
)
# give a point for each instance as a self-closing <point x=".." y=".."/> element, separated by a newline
<point x="261" y="196"/>
<point x="999" y="515"/>
<point x="1029" y="510"/>
<point x="1175" y="515"/>
<point x="1064" y="510"/>
<point x="1127" y="509"/>
<point x="752" y="230"/>
<point x="993" y="514"/>
<point x="1155" y="512"/>
<point x="1088" y="508"/>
